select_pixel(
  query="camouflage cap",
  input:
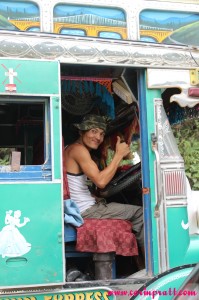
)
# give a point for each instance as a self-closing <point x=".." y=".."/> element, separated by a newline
<point x="92" y="121"/>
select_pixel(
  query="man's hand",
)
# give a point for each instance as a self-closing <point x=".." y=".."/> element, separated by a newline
<point x="122" y="148"/>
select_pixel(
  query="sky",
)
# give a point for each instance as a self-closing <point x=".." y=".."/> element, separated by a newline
<point x="103" y="12"/>
<point x="19" y="5"/>
<point x="160" y="15"/>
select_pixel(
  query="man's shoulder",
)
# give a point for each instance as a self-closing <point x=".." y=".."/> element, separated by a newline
<point x="76" y="148"/>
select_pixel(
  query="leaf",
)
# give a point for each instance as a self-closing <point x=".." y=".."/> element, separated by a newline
<point x="187" y="138"/>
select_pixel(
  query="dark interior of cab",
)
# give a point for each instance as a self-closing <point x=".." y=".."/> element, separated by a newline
<point x="110" y="91"/>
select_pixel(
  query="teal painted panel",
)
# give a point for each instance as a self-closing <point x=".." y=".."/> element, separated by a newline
<point x="166" y="286"/>
<point x="31" y="246"/>
<point x="186" y="251"/>
<point x="150" y="95"/>
<point x="192" y="255"/>
<point x="178" y="231"/>
<point x="29" y="77"/>
<point x="95" y="293"/>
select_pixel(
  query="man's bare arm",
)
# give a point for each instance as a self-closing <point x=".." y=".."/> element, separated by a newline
<point x="100" y="178"/>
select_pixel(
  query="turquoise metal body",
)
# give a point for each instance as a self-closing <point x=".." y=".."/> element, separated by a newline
<point x="31" y="223"/>
<point x="167" y="286"/>
<point x="172" y="225"/>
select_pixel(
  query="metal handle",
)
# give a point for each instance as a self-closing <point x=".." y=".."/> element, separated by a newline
<point x="158" y="172"/>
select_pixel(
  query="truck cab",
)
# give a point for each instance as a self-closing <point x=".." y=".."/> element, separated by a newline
<point x="50" y="81"/>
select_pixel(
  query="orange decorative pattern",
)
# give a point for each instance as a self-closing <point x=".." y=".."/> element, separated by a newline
<point x="107" y="82"/>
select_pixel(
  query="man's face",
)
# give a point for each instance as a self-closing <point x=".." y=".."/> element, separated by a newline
<point x="93" y="138"/>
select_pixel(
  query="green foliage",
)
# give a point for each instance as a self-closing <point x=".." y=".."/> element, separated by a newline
<point x="187" y="136"/>
<point x="4" y="156"/>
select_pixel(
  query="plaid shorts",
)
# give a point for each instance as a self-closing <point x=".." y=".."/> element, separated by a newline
<point x="113" y="210"/>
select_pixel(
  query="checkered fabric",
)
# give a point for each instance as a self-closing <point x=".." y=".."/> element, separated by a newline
<point x="106" y="235"/>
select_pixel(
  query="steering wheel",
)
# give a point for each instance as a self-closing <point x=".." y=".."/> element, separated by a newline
<point x="122" y="180"/>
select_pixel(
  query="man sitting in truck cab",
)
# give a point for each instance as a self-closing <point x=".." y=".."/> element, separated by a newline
<point x="80" y="166"/>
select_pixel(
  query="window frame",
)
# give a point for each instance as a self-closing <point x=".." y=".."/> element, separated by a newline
<point x="42" y="172"/>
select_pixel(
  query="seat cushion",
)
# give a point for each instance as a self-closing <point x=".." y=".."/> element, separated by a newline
<point x="70" y="233"/>
<point x="106" y="235"/>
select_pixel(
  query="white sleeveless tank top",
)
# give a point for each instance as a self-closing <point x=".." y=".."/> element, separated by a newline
<point x="79" y="191"/>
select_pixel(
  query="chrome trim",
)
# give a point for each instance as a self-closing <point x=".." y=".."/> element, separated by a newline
<point x="174" y="203"/>
<point x="159" y="179"/>
<point x="96" y="51"/>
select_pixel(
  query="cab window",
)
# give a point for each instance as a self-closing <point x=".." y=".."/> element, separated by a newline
<point x="24" y="139"/>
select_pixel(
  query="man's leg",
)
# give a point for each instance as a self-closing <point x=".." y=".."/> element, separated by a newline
<point x="113" y="210"/>
<point x="131" y="213"/>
